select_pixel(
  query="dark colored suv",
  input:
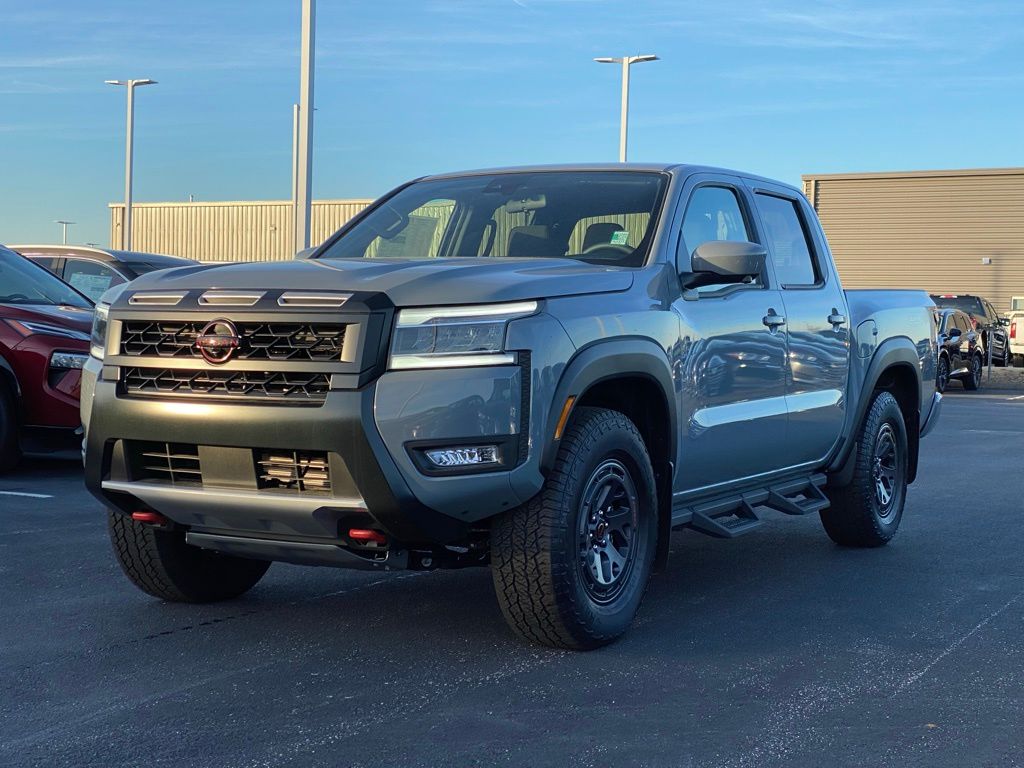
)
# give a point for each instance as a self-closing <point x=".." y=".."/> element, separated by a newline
<point x="960" y="355"/>
<point x="93" y="270"/>
<point x="985" y="320"/>
<point x="44" y="342"/>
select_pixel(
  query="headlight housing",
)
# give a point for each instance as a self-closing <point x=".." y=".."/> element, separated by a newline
<point x="98" y="341"/>
<point x="454" y="337"/>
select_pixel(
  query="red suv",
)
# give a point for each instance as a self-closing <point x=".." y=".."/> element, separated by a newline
<point x="44" y="342"/>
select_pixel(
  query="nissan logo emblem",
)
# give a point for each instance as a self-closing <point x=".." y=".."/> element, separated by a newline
<point x="218" y="341"/>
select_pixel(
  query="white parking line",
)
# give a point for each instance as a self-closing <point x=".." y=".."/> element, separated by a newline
<point x="1018" y="397"/>
<point x="28" y="495"/>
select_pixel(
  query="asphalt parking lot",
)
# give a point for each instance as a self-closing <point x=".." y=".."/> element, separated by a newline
<point x="776" y="648"/>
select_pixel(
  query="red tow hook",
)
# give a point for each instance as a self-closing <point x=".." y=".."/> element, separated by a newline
<point x="150" y="518"/>
<point x="367" y="536"/>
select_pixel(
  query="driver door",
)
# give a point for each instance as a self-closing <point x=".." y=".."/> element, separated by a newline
<point x="733" y="342"/>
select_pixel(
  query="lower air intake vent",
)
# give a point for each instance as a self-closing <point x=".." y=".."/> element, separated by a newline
<point x="176" y="463"/>
<point x="302" y="471"/>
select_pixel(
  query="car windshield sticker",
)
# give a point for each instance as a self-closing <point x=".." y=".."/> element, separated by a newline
<point x="621" y="237"/>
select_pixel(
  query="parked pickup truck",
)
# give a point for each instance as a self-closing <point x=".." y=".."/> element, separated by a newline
<point x="544" y="370"/>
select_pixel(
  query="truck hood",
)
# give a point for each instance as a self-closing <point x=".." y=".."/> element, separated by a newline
<point x="407" y="283"/>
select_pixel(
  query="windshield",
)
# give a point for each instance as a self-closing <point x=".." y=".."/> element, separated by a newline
<point x="601" y="217"/>
<point x="22" y="282"/>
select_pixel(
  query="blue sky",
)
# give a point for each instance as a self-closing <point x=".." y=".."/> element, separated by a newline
<point x="777" y="87"/>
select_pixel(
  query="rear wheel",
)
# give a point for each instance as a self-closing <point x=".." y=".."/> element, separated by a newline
<point x="867" y="512"/>
<point x="160" y="563"/>
<point x="972" y="381"/>
<point x="571" y="566"/>
<point x="10" y="453"/>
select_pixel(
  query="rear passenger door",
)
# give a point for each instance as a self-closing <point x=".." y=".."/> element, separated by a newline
<point x="818" y="354"/>
<point x="90" y="277"/>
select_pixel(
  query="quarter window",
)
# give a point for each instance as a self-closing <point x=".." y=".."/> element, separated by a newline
<point x="787" y="239"/>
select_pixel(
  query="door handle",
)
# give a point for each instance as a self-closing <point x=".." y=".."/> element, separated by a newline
<point x="836" y="319"/>
<point x="773" y="320"/>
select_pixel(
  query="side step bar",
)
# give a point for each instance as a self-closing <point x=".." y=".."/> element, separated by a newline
<point x="736" y="514"/>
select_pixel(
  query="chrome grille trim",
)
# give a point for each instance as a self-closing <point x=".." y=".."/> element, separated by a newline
<point x="301" y="299"/>
<point x="231" y="298"/>
<point x="248" y="386"/>
<point x="154" y="299"/>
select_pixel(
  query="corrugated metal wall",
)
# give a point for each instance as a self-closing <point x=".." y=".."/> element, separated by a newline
<point x="929" y="230"/>
<point x="228" y="231"/>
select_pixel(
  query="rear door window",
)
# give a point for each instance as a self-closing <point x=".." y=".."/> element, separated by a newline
<point x="788" y="241"/>
<point x="90" y="277"/>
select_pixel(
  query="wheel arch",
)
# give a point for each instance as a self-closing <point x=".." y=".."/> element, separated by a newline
<point x="894" y="368"/>
<point x="632" y="376"/>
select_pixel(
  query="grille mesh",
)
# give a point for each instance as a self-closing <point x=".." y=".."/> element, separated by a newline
<point x="256" y="385"/>
<point x="174" y="462"/>
<point x="303" y="471"/>
<point x="317" y="342"/>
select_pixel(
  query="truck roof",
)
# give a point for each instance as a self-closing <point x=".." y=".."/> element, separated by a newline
<point x="679" y="169"/>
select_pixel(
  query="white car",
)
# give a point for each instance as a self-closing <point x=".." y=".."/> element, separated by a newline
<point x="1016" y="337"/>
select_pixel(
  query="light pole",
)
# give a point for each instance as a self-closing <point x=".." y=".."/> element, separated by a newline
<point x="126" y="226"/>
<point x="64" y="224"/>
<point x="302" y="128"/>
<point x="626" y="62"/>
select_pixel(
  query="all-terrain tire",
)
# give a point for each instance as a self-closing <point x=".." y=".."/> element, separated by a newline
<point x="547" y="585"/>
<point x="160" y="563"/>
<point x="10" y="453"/>
<point x="972" y="381"/>
<point x="858" y="516"/>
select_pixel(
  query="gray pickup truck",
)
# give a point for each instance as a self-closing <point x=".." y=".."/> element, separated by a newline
<point x="544" y="370"/>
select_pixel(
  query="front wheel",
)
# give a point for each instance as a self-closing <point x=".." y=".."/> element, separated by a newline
<point x="10" y="453"/>
<point x="571" y="566"/>
<point x="162" y="564"/>
<point x="867" y="512"/>
<point x="942" y="377"/>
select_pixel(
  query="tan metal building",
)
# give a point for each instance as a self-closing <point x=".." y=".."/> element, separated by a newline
<point x="259" y="230"/>
<point x="942" y="231"/>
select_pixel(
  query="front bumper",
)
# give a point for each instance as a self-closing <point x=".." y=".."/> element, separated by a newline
<point x="366" y="433"/>
<point x="934" y="411"/>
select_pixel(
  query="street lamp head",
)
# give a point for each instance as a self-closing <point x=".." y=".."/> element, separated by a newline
<point x="608" y="60"/>
<point x="645" y="57"/>
<point x="131" y="83"/>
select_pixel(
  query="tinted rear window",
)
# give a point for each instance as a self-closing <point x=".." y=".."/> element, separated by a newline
<point x="968" y="304"/>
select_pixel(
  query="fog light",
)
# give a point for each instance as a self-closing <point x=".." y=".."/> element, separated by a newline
<point x="463" y="457"/>
<point x="67" y="360"/>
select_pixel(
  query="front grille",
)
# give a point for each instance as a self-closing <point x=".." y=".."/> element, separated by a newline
<point x="303" y="471"/>
<point x="316" y="342"/>
<point x="177" y="463"/>
<point x="243" y="385"/>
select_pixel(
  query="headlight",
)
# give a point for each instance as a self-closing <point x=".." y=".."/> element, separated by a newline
<point x="65" y="361"/>
<point x="29" y="328"/>
<point x="454" y="337"/>
<point x="98" y="342"/>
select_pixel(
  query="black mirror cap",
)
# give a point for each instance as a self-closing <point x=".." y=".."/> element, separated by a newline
<point x="724" y="261"/>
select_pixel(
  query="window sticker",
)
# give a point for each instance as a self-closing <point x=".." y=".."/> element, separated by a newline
<point x="621" y="237"/>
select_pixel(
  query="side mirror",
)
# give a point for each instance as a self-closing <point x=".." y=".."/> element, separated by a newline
<point x="723" y="261"/>
<point x="1004" y="321"/>
<point x="305" y="253"/>
<point x="954" y="333"/>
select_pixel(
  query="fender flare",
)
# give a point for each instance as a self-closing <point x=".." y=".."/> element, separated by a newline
<point x="891" y="353"/>
<point x="610" y="359"/>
